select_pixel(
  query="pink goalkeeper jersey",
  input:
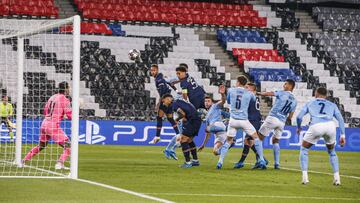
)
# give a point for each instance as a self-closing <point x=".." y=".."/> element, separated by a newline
<point x="56" y="107"/>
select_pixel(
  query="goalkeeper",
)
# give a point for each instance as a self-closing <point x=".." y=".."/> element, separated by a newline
<point x="6" y="111"/>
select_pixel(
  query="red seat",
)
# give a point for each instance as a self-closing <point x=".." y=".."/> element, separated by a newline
<point x="184" y="19"/>
<point x="4" y="9"/>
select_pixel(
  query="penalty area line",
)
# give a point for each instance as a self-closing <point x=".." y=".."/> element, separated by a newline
<point x="323" y="173"/>
<point x="258" y="196"/>
<point x="317" y="172"/>
<point x="145" y="196"/>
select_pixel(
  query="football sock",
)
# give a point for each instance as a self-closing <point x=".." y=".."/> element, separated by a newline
<point x="334" y="161"/>
<point x="193" y="150"/>
<point x="245" y="153"/>
<point x="259" y="148"/>
<point x="255" y="151"/>
<point x="276" y="149"/>
<point x="223" y="151"/>
<point x="158" y="125"/>
<point x="172" y="145"/>
<point x="186" y="150"/>
<point x="304" y="158"/>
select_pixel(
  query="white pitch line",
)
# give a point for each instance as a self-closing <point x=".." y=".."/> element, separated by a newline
<point x="318" y="172"/>
<point x="36" y="168"/>
<point x="258" y="196"/>
<point x="125" y="191"/>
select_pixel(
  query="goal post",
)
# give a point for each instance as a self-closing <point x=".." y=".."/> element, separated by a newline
<point x="45" y="53"/>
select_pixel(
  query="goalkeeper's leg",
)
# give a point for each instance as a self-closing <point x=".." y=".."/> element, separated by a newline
<point x="60" y="137"/>
<point x="34" y="151"/>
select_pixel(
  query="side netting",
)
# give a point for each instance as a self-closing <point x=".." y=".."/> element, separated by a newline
<point x="39" y="89"/>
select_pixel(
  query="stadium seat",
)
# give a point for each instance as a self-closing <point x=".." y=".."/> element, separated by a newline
<point x="173" y="12"/>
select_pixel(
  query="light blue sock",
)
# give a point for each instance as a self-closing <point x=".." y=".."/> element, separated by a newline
<point x="276" y="149"/>
<point x="171" y="145"/>
<point x="223" y="151"/>
<point x="304" y="158"/>
<point x="334" y="161"/>
<point x="259" y="149"/>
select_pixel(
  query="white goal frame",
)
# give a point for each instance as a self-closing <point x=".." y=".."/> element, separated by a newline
<point x="76" y="23"/>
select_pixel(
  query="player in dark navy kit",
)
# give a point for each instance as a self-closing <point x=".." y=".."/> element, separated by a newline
<point x="163" y="88"/>
<point x="190" y="127"/>
<point x="190" y="88"/>
<point x="255" y="119"/>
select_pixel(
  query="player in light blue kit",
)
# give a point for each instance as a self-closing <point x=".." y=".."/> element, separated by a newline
<point x="283" y="108"/>
<point x="214" y="121"/>
<point x="322" y="113"/>
<point x="239" y="98"/>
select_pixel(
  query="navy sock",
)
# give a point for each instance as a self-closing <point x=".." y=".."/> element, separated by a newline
<point x="245" y="153"/>
<point x="186" y="150"/>
<point x="193" y="150"/>
<point x="158" y="126"/>
<point x="174" y="125"/>
<point x="255" y="151"/>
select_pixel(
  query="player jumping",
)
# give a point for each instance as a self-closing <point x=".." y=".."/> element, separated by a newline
<point x="322" y="113"/>
<point x="214" y="122"/>
<point x="239" y="98"/>
<point x="190" y="89"/>
<point x="164" y="87"/>
<point x="55" y="109"/>
<point x="284" y="108"/>
<point x="255" y="119"/>
<point x="190" y="127"/>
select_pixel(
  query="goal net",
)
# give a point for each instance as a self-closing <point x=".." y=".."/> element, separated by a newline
<point x="39" y="59"/>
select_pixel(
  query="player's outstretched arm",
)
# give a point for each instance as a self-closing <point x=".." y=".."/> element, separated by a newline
<point x="181" y="115"/>
<point x="266" y="94"/>
<point x="222" y="91"/>
<point x="299" y="118"/>
<point x="207" y="136"/>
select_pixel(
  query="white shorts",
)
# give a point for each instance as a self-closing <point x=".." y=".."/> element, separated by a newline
<point x="326" y="130"/>
<point x="220" y="136"/>
<point x="271" y="123"/>
<point x="235" y="125"/>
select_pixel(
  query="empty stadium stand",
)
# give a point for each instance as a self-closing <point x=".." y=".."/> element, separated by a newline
<point x="165" y="32"/>
<point x="40" y="8"/>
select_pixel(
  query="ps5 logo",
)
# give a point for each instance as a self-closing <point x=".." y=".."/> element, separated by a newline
<point x="91" y="135"/>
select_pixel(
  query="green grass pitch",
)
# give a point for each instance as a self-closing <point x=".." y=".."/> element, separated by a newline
<point x="145" y="170"/>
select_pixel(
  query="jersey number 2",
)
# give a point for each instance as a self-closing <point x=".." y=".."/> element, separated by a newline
<point x="322" y="108"/>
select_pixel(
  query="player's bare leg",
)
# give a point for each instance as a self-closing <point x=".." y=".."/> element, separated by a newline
<point x="217" y="147"/>
<point x="34" y="151"/>
<point x="304" y="161"/>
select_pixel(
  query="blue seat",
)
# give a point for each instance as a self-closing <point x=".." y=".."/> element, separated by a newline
<point x="232" y="35"/>
<point x="116" y="30"/>
<point x="269" y="74"/>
